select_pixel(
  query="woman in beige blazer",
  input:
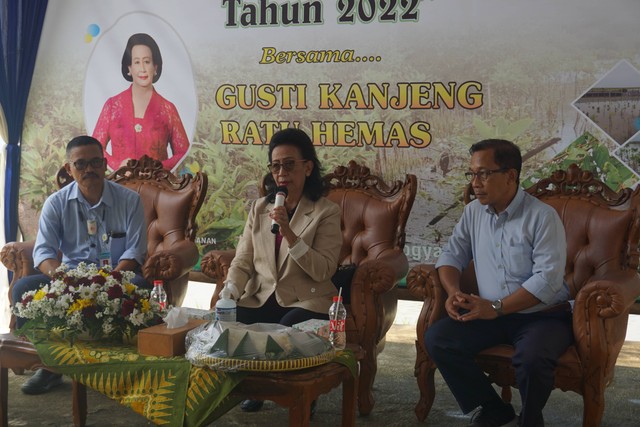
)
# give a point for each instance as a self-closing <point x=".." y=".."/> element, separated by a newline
<point x="286" y="277"/>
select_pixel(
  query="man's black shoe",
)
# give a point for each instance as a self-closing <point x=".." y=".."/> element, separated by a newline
<point x="540" y="422"/>
<point x="41" y="382"/>
<point x="251" y="405"/>
<point x="506" y="417"/>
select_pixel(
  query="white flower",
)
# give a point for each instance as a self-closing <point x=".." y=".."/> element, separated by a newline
<point x="85" y="292"/>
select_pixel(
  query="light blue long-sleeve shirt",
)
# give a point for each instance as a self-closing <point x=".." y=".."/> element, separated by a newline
<point x="118" y="217"/>
<point x="523" y="246"/>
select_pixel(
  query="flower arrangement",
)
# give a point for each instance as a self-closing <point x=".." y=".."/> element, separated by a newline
<point x="89" y="300"/>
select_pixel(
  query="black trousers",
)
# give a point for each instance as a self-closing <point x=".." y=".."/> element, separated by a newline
<point x="539" y="340"/>
<point x="272" y="312"/>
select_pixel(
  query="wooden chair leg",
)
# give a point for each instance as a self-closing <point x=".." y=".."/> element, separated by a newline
<point x="79" y="404"/>
<point x="4" y="397"/>
<point x="426" y="384"/>
<point x="368" y="369"/>
<point x="349" y="399"/>
<point x="593" y="401"/>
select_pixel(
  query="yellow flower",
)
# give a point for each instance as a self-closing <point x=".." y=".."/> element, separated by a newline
<point x="39" y="295"/>
<point x="130" y="287"/>
<point x="146" y="306"/>
<point x="79" y="305"/>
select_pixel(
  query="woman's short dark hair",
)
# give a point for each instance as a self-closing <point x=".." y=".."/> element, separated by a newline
<point x="314" y="186"/>
<point x="145" y="40"/>
<point x="506" y="154"/>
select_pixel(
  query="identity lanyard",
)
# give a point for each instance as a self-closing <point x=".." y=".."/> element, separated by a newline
<point x="96" y="231"/>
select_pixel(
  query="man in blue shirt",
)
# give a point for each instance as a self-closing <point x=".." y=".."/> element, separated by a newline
<point x="89" y="220"/>
<point x="518" y="247"/>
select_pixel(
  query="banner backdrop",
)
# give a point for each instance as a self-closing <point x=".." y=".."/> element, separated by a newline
<point x="403" y="86"/>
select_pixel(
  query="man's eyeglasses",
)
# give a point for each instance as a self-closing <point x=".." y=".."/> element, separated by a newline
<point x="483" y="175"/>
<point x="95" y="163"/>
<point x="287" y="165"/>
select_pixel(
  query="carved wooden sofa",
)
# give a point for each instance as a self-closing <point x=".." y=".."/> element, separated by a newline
<point x="602" y="229"/>
<point x="374" y="216"/>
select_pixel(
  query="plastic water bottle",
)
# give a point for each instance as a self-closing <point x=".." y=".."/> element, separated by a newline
<point x="158" y="294"/>
<point x="225" y="307"/>
<point x="337" y="322"/>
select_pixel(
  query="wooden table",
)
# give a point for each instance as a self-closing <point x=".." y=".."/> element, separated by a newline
<point x="297" y="389"/>
<point x="294" y="390"/>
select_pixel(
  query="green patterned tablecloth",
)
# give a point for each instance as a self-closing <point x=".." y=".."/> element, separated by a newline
<point x="167" y="391"/>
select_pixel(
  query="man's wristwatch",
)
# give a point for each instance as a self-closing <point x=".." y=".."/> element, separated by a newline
<point x="497" y="306"/>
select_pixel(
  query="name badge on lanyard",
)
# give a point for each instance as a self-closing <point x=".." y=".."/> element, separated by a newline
<point x="105" y="259"/>
<point x="92" y="227"/>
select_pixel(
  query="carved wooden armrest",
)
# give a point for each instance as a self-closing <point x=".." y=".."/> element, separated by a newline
<point x="169" y="264"/>
<point x="18" y="258"/>
<point x="600" y="315"/>
<point x="373" y="299"/>
<point x="423" y="282"/>
<point x="380" y="275"/>
<point x="215" y="264"/>
<point x="612" y="295"/>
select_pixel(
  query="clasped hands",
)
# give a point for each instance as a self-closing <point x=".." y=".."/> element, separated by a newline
<point x="464" y="307"/>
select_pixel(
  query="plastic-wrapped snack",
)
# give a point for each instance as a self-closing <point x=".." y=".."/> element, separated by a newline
<point x="258" y="347"/>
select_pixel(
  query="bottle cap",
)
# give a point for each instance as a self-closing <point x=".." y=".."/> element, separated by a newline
<point x="157" y="282"/>
<point x="337" y="299"/>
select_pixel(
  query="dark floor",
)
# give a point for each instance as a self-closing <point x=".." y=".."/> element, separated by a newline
<point x="395" y="391"/>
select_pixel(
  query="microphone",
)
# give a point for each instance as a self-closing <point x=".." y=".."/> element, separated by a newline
<point x="281" y="194"/>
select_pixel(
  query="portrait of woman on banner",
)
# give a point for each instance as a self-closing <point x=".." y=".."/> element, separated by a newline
<point x="139" y="120"/>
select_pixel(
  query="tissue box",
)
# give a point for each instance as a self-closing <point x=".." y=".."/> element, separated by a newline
<point x="317" y="326"/>
<point x="159" y="341"/>
<point x="198" y="313"/>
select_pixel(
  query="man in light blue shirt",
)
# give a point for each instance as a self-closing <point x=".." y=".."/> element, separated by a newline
<point x="518" y="246"/>
<point x="90" y="220"/>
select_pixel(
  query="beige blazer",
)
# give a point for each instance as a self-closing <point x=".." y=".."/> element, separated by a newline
<point x="302" y="275"/>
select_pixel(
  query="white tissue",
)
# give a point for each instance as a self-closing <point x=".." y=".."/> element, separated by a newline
<point x="176" y="318"/>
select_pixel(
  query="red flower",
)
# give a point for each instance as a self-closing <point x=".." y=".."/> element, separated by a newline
<point x="89" y="312"/>
<point x="115" y="291"/>
<point x="127" y="307"/>
<point x="101" y="280"/>
<point x="26" y="300"/>
<point x="83" y="281"/>
<point x="116" y="275"/>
